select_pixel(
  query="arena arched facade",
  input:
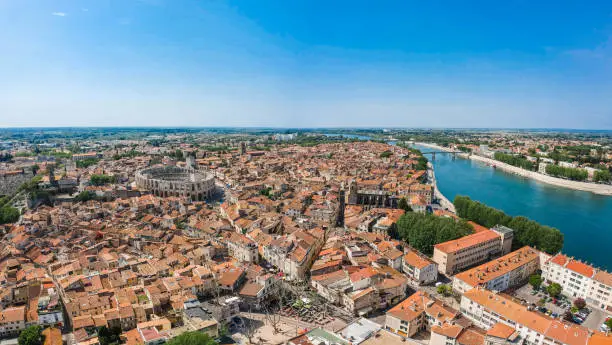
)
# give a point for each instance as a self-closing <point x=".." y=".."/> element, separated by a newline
<point x="176" y="181"/>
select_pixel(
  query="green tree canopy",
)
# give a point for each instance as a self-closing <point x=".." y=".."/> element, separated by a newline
<point x="444" y="290"/>
<point x="85" y="196"/>
<point x="535" y="280"/>
<point x="403" y="205"/>
<point x="602" y="176"/>
<point x="101" y="179"/>
<point x="423" y="231"/>
<point x="517" y="161"/>
<point x="31" y="336"/>
<point x="568" y="173"/>
<point x="8" y="214"/>
<point x="192" y="338"/>
<point x="109" y="336"/>
<point x="526" y="232"/>
<point x="554" y="289"/>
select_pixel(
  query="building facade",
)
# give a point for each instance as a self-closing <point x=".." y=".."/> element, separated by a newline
<point x="176" y="181"/>
<point x="579" y="279"/>
<point x="500" y="274"/>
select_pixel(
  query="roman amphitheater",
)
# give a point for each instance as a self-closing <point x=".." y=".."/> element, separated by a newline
<point x="176" y="181"/>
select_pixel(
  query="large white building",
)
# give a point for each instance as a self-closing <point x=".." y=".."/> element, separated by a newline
<point x="500" y="274"/>
<point x="580" y="280"/>
<point x="420" y="268"/>
<point x="486" y="309"/>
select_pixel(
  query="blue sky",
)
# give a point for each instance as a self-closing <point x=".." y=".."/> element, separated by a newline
<point x="306" y="63"/>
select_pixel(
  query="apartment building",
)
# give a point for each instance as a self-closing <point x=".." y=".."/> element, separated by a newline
<point x="579" y="279"/>
<point x="12" y="321"/>
<point x="500" y="274"/>
<point x="419" y="268"/>
<point x="418" y="312"/>
<point x="454" y="334"/>
<point x="242" y="248"/>
<point x="487" y="309"/>
<point x="457" y="255"/>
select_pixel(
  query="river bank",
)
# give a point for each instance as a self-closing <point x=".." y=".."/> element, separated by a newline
<point x="600" y="189"/>
<point x="442" y="200"/>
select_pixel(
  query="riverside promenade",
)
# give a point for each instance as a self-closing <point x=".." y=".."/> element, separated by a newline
<point x="595" y="188"/>
<point x="444" y="202"/>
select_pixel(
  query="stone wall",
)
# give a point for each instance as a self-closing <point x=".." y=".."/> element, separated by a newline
<point x="10" y="183"/>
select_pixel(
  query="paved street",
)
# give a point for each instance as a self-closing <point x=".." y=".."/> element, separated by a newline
<point x="595" y="319"/>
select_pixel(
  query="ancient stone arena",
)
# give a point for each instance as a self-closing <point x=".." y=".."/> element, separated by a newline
<point x="176" y="181"/>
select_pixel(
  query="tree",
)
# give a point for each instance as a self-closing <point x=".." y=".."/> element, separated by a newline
<point x="31" y="336"/>
<point x="423" y="231"/>
<point x="535" y="280"/>
<point x="271" y="310"/>
<point x="526" y="231"/>
<point x="444" y="290"/>
<point x="554" y="289"/>
<point x="568" y="173"/>
<point x="403" y="205"/>
<point x="579" y="303"/>
<point x="8" y="214"/>
<point x="101" y="179"/>
<point x="192" y="338"/>
<point x="609" y="323"/>
<point x="109" y="336"/>
<point x="568" y="316"/>
<point x="517" y="161"/>
<point x="602" y="176"/>
<point x="85" y="163"/>
<point x="85" y="196"/>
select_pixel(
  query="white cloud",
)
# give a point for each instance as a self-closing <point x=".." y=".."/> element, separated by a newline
<point x="85" y="9"/>
<point x="59" y="14"/>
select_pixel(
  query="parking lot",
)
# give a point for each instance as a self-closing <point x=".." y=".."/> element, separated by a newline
<point x="526" y="293"/>
<point x="594" y="319"/>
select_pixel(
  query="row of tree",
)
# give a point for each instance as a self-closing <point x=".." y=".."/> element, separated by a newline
<point x="85" y="163"/>
<point x="602" y="176"/>
<point x="526" y="231"/>
<point x="517" y="161"/>
<point x="568" y="173"/>
<point x="423" y="231"/>
<point x="101" y="179"/>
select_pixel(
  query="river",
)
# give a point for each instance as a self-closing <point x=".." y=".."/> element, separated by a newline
<point x="584" y="218"/>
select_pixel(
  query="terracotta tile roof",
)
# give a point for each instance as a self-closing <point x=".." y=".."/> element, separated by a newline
<point x="569" y="334"/>
<point x="471" y="337"/>
<point x="560" y="259"/>
<point x="467" y="241"/>
<point x="501" y="330"/>
<point x="412" y="258"/>
<point x="603" y="277"/>
<point x="599" y="338"/>
<point x="14" y="314"/>
<point x="580" y="268"/>
<point x="486" y="272"/>
<point x="251" y="289"/>
<point x="448" y="330"/>
<point x="419" y="303"/>
<point x="53" y="336"/>
<point x="509" y="309"/>
<point x="478" y="227"/>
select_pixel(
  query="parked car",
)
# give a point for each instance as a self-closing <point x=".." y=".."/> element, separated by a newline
<point x="577" y="320"/>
